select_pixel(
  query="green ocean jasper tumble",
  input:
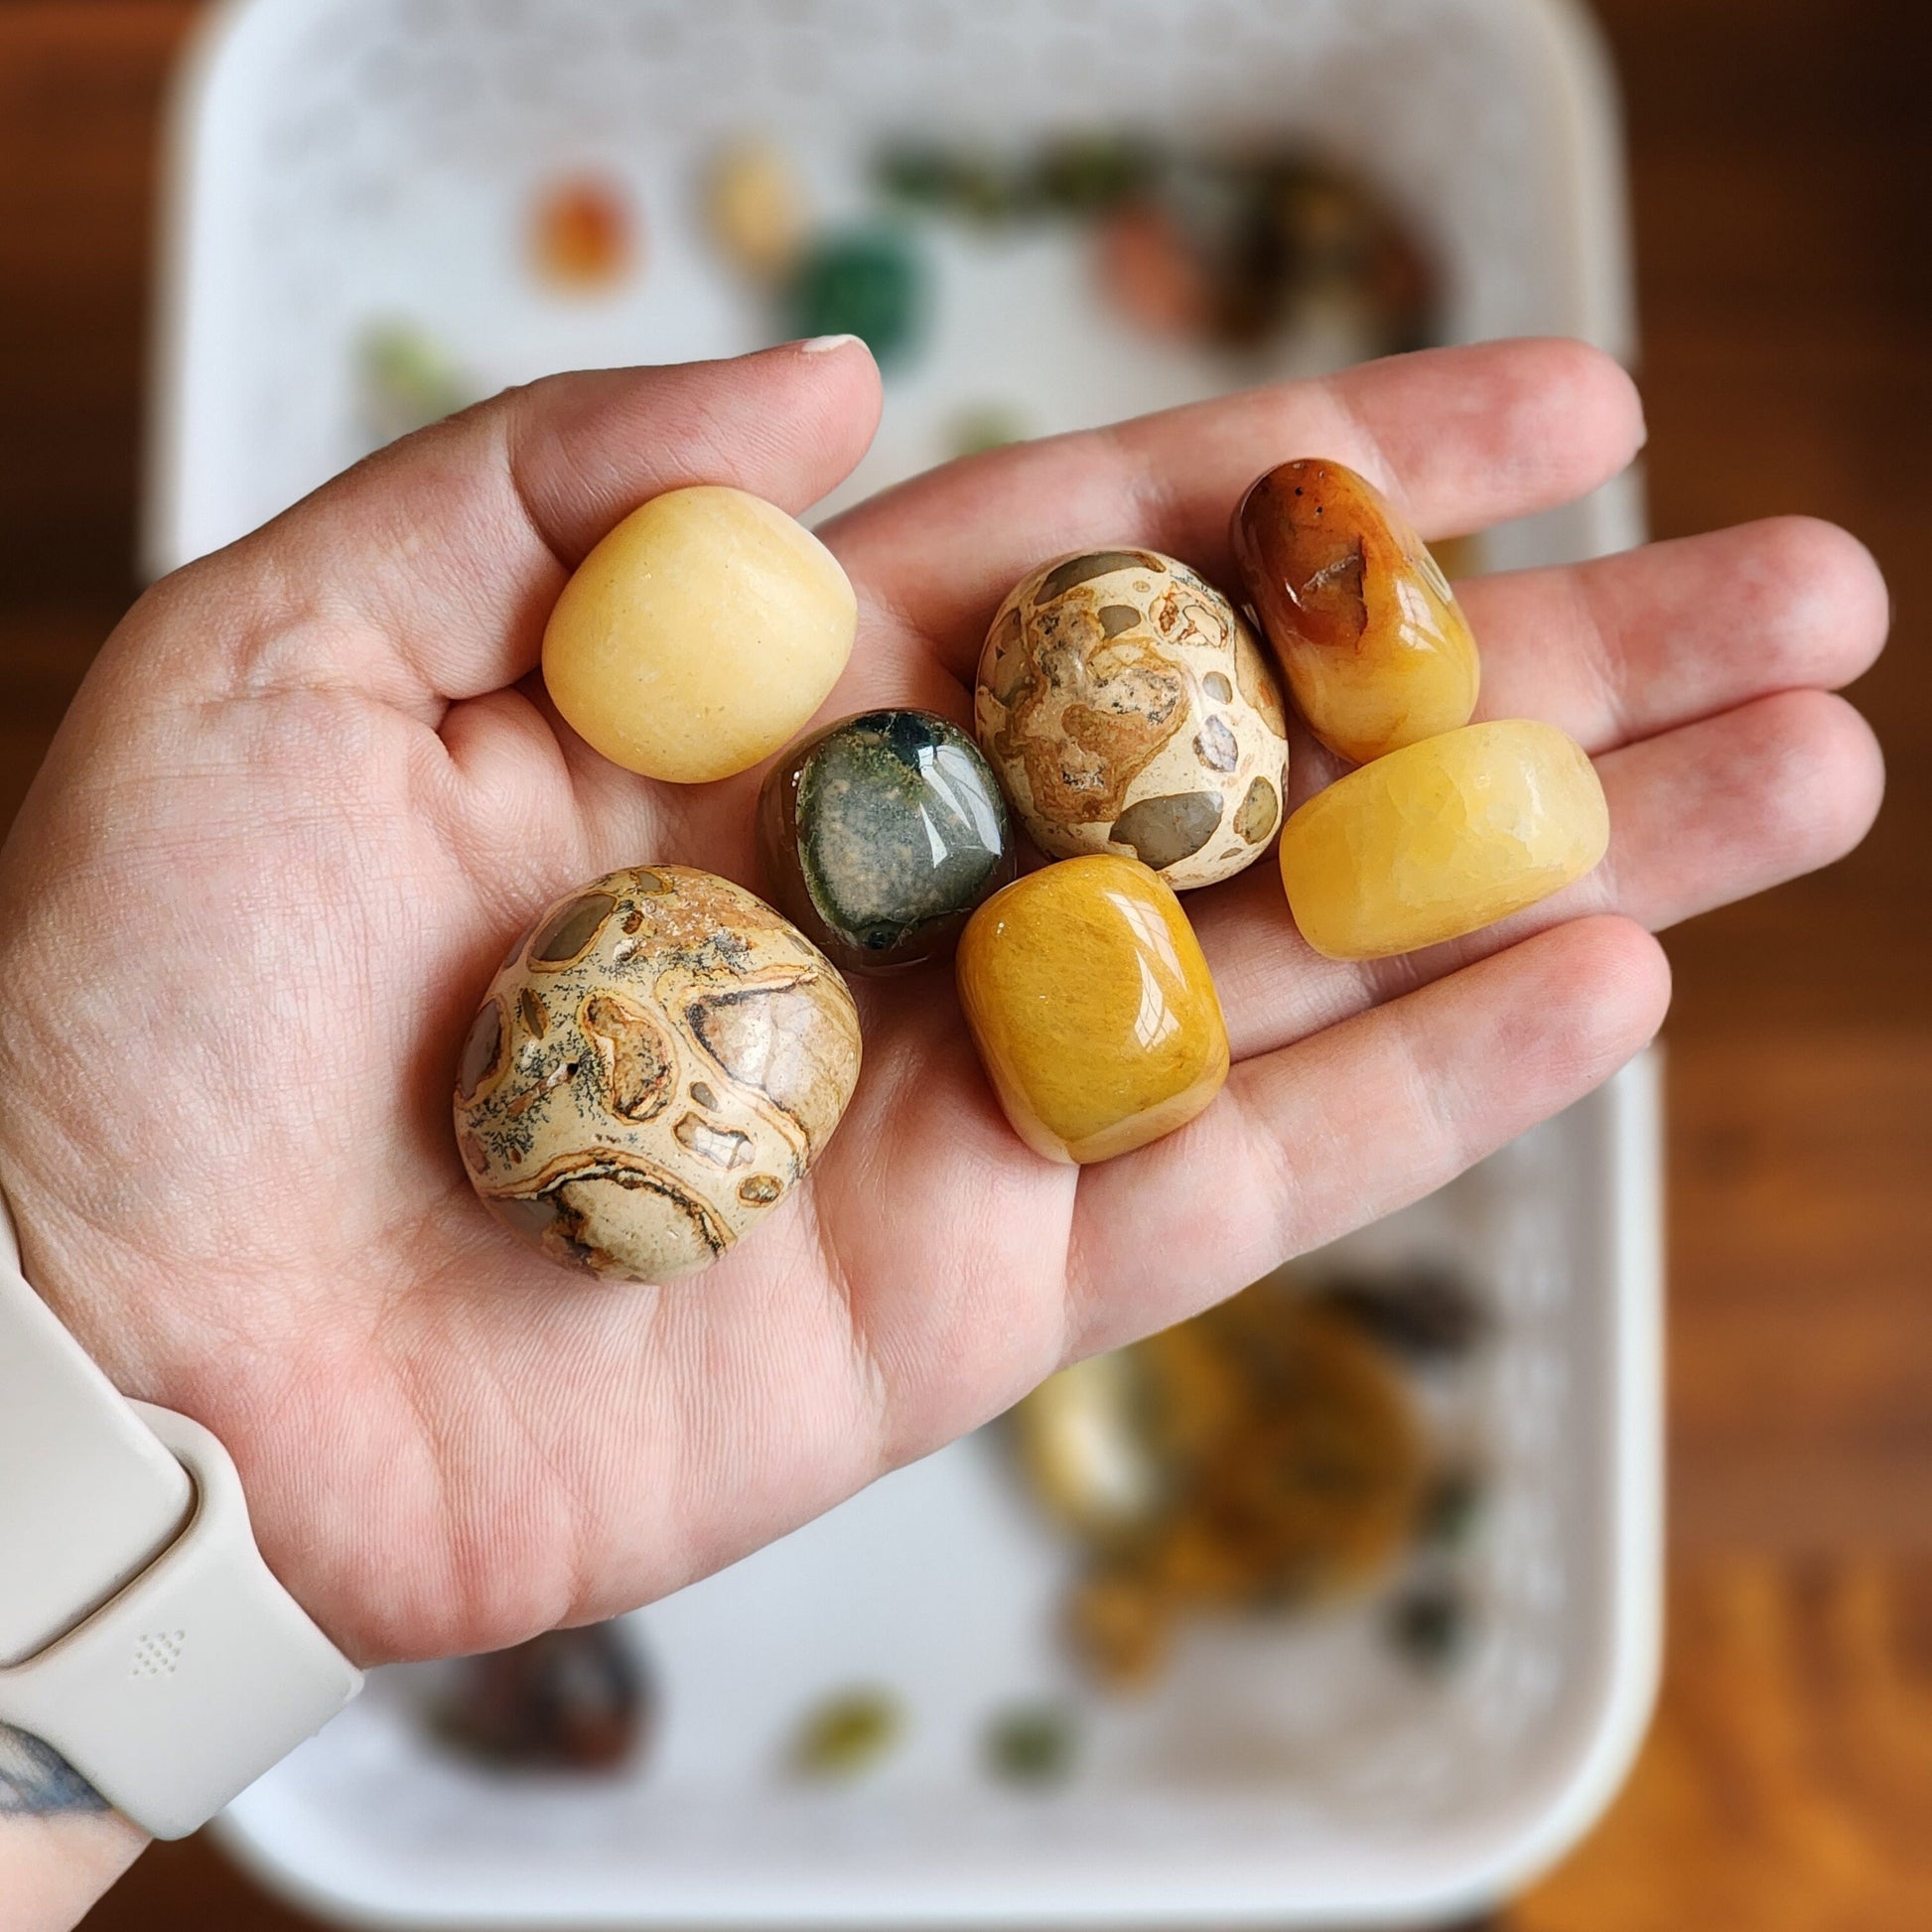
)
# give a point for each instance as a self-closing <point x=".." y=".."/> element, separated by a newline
<point x="881" y="834"/>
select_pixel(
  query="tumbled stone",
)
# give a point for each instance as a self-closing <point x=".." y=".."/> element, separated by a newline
<point x="654" y="1067"/>
<point x="879" y="834"/>
<point x="568" y="1701"/>
<point x="1442" y="838"/>
<point x="756" y="210"/>
<point x="1092" y="1008"/>
<point x="1375" y="648"/>
<point x="699" y="635"/>
<point x="584" y="235"/>
<point x="1128" y="710"/>
<point x="848" y="1733"/>
<point x="868" y="282"/>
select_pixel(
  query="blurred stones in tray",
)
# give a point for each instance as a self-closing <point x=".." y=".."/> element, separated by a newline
<point x="1262" y="1457"/>
<point x="1430" y="1624"/>
<point x="1032" y="1744"/>
<point x="1422" y="1312"/>
<point x="847" y="1733"/>
<point x="1234" y="250"/>
<point x="870" y="282"/>
<point x="405" y="379"/>
<point x="568" y="1701"/>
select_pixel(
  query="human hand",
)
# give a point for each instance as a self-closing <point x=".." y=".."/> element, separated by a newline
<point x="313" y="786"/>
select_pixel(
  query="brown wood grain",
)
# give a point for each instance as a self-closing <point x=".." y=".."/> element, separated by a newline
<point x="1784" y="1782"/>
<point x="1785" y="279"/>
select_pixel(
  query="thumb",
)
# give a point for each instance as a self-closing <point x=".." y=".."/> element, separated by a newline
<point x="435" y="562"/>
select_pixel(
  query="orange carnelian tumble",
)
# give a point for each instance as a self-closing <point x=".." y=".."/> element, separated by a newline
<point x="1369" y="635"/>
<point x="584" y="233"/>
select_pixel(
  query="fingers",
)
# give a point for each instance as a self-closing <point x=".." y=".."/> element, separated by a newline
<point x="1733" y="805"/>
<point x="1699" y="817"/>
<point x="1460" y="438"/>
<point x="1633" y="644"/>
<point x="1323" y="1136"/>
<point x="451" y="545"/>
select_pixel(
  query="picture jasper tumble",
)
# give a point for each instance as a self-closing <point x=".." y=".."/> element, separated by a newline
<point x="1442" y="838"/>
<point x="1128" y="710"/>
<point x="1375" y="648"/>
<point x="657" y="1065"/>
<point x="1092" y="1009"/>
<point x="879" y="834"/>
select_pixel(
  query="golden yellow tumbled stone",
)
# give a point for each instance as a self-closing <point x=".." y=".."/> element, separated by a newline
<point x="1092" y="1008"/>
<point x="699" y="635"/>
<point x="1443" y="837"/>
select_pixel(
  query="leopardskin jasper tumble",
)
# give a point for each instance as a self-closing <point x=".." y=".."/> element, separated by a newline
<point x="1129" y="711"/>
<point x="657" y="1065"/>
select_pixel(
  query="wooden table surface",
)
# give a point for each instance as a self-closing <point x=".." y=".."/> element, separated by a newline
<point x="1776" y="147"/>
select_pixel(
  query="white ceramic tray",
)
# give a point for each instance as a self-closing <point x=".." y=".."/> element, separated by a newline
<point x="341" y="162"/>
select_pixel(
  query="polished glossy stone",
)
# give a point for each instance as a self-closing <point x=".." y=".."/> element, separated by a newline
<point x="1128" y="710"/>
<point x="1092" y="1008"/>
<point x="1375" y="648"/>
<point x="699" y="634"/>
<point x="657" y="1065"/>
<point x="878" y="836"/>
<point x="1442" y="838"/>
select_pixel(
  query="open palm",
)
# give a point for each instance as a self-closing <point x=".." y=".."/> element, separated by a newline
<point x="311" y="788"/>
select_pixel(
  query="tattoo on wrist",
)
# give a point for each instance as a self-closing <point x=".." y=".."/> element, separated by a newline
<point x="36" y="1782"/>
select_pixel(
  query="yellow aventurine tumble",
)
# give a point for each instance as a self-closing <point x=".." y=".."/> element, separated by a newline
<point x="1443" y="837"/>
<point x="1092" y="1008"/>
<point x="699" y="635"/>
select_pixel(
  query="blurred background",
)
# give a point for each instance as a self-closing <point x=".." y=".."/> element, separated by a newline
<point x="1780" y="336"/>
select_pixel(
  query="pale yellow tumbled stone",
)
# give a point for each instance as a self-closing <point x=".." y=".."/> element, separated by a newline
<point x="1443" y="837"/>
<point x="699" y="635"/>
<point x="757" y="209"/>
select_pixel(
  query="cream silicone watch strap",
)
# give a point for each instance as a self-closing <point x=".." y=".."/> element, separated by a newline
<point x="141" y="1634"/>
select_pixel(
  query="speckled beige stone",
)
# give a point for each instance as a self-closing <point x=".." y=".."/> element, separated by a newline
<point x="1128" y="710"/>
<point x="657" y="1065"/>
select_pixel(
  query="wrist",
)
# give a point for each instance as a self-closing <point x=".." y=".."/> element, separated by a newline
<point x="56" y="1858"/>
<point x="135" y="1305"/>
<point x="51" y="1185"/>
<point x="142" y="1637"/>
